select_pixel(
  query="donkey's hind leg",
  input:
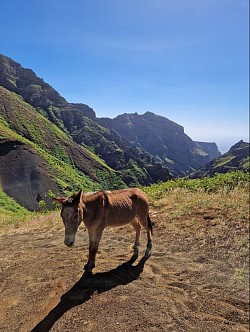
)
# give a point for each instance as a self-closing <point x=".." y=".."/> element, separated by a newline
<point x="137" y="228"/>
<point x="149" y="229"/>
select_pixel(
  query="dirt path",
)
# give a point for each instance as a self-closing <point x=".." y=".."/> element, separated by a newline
<point x="179" y="288"/>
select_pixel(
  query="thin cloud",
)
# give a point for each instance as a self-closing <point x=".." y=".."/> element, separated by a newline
<point x="148" y="45"/>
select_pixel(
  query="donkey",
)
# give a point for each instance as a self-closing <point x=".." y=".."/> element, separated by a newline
<point x="101" y="209"/>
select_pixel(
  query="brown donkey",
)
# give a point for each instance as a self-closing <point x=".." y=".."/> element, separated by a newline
<point x="102" y="209"/>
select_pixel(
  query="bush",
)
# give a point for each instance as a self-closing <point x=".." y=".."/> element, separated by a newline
<point x="219" y="182"/>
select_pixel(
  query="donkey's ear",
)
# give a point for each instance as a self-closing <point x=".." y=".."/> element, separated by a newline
<point x="77" y="198"/>
<point x="60" y="200"/>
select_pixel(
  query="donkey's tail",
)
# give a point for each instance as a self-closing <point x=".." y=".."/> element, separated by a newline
<point x="150" y="224"/>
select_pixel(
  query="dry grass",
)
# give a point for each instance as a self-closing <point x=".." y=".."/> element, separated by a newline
<point x="215" y="222"/>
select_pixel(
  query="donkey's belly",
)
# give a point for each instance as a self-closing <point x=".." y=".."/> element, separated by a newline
<point x="119" y="218"/>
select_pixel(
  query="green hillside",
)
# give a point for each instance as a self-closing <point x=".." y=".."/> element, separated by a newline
<point x="10" y="210"/>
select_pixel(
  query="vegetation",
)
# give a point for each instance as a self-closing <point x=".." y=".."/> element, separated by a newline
<point x="217" y="183"/>
<point x="224" y="160"/>
<point x="10" y="211"/>
<point x="109" y="181"/>
<point x="201" y="192"/>
<point x="246" y="163"/>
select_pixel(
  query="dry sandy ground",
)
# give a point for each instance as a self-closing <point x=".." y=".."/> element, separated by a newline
<point x="181" y="287"/>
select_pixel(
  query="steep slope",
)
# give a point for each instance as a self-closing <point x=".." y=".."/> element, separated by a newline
<point x="163" y="139"/>
<point x="134" y="165"/>
<point x="33" y="151"/>
<point x="237" y="158"/>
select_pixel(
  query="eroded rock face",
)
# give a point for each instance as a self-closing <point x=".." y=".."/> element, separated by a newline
<point x="23" y="175"/>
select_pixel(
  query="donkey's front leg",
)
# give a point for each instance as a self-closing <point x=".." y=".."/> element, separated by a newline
<point x="94" y="240"/>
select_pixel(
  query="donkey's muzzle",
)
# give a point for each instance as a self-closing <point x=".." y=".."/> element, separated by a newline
<point x="69" y="242"/>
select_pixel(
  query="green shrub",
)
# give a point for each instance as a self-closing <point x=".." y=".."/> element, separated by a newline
<point x="219" y="182"/>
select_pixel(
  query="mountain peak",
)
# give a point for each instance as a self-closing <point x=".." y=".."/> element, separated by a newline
<point x="238" y="145"/>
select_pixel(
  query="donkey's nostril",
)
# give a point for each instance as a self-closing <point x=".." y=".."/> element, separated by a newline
<point x="69" y="244"/>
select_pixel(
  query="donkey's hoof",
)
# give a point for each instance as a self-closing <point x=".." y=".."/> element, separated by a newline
<point x="132" y="259"/>
<point x="136" y="253"/>
<point x="88" y="267"/>
<point x="147" y="253"/>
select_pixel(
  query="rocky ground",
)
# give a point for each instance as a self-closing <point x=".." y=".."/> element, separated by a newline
<point x="181" y="287"/>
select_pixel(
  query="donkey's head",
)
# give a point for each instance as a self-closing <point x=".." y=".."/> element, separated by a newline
<point x="71" y="214"/>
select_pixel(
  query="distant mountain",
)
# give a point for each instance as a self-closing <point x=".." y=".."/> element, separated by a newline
<point x="163" y="139"/>
<point x="237" y="158"/>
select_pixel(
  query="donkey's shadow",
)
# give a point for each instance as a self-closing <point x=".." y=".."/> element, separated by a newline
<point x="89" y="284"/>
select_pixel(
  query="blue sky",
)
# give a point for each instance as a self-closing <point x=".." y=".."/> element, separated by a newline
<point x="184" y="59"/>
